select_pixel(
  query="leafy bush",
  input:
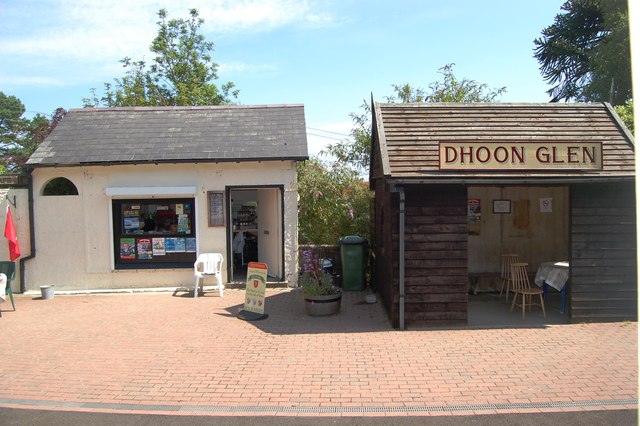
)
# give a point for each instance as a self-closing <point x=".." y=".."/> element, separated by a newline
<point x="334" y="202"/>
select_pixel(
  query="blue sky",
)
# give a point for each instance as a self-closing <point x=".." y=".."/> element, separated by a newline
<point x="328" y="55"/>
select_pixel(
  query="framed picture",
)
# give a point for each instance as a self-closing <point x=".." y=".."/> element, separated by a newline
<point x="215" y="200"/>
<point x="502" y="206"/>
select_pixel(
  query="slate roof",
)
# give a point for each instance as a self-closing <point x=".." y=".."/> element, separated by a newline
<point x="132" y="135"/>
<point x="406" y="137"/>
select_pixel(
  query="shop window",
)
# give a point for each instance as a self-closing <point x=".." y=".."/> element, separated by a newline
<point x="158" y="233"/>
<point x="59" y="186"/>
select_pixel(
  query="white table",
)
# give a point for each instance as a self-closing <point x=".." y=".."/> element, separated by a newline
<point x="556" y="275"/>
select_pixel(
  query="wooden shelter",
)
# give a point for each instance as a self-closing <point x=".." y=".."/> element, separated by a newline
<point x="457" y="185"/>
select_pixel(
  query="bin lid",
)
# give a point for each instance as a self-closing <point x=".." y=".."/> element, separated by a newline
<point x="353" y="240"/>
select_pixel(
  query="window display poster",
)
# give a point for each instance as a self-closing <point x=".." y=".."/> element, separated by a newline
<point x="179" y="208"/>
<point x="180" y="245"/>
<point x="131" y="220"/>
<point x="183" y="224"/>
<point x="170" y="245"/>
<point x="127" y="248"/>
<point x="158" y="247"/>
<point x="473" y="216"/>
<point x="191" y="245"/>
<point x="145" y="250"/>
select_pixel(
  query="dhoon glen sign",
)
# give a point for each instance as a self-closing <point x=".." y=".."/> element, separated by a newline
<point x="520" y="156"/>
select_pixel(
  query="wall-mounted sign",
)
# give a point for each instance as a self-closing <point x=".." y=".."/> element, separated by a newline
<point x="216" y="208"/>
<point x="502" y="206"/>
<point x="546" y="205"/>
<point x="520" y="156"/>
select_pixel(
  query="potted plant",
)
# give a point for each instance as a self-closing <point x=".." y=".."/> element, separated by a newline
<point x="321" y="296"/>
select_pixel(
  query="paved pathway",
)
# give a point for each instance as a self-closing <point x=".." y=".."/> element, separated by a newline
<point x="167" y="354"/>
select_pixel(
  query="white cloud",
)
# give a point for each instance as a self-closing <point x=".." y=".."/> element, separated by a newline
<point x="117" y="28"/>
<point x="232" y="68"/>
<point x="259" y="15"/>
<point x="21" y="80"/>
<point x="90" y="37"/>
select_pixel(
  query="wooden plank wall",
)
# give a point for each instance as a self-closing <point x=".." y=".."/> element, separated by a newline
<point x="436" y="255"/>
<point x="385" y="248"/>
<point x="603" y="282"/>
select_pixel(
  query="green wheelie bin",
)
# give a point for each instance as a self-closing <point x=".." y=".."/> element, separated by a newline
<point x="353" y="253"/>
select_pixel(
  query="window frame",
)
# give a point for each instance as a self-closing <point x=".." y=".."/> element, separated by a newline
<point x="169" y="260"/>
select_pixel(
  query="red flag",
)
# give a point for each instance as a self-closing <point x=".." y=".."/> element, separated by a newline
<point x="10" y="234"/>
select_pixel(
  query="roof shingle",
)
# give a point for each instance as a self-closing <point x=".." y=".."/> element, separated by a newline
<point x="407" y="136"/>
<point x="175" y="134"/>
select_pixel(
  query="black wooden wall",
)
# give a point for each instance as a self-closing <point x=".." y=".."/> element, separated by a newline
<point x="385" y="248"/>
<point x="436" y="255"/>
<point x="603" y="281"/>
<point x="436" y="283"/>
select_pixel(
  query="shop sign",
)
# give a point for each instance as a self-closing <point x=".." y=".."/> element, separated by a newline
<point x="520" y="156"/>
<point x="256" y="286"/>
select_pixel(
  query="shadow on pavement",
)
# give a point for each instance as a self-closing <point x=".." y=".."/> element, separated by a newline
<point x="286" y="315"/>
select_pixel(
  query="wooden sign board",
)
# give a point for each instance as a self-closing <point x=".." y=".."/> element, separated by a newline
<point x="520" y="156"/>
<point x="256" y="287"/>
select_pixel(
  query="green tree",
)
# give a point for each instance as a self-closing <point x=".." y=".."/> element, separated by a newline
<point x="625" y="111"/>
<point x="356" y="153"/>
<point x="334" y="199"/>
<point x="450" y="89"/>
<point x="20" y="136"/>
<point x="334" y="202"/>
<point x="181" y="73"/>
<point x="586" y="52"/>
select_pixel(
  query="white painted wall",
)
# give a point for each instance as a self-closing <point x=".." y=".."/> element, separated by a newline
<point x="74" y="233"/>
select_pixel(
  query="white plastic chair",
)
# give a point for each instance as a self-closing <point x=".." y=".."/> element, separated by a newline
<point x="208" y="264"/>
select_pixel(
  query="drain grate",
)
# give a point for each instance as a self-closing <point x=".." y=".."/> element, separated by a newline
<point x="318" y="410"/>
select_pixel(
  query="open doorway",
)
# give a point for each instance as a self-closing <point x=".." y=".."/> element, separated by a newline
<point x="256" y="224"/>
<point x="530" y="221"/>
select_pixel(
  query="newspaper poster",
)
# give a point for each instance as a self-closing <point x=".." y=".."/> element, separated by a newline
<point x="473" y="216"/>
<point x="144" y="249"/>
<point x="158" y="247"/>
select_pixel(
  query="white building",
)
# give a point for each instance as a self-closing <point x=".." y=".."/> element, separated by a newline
<point x="128" y="197"/>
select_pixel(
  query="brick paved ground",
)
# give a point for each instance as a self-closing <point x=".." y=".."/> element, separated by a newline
<point x="163" y="353"/>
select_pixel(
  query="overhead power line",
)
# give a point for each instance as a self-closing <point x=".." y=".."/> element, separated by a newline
<point x="326" y="137"/>
<point x="327" y="131"/>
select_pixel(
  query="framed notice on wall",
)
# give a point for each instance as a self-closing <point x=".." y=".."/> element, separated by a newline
<point x="502" y="206"/>
<point x="215" y="200"/>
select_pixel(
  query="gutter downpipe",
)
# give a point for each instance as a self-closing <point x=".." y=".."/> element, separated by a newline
<point x="32" y="236"/>
<point x="401" y="259"/>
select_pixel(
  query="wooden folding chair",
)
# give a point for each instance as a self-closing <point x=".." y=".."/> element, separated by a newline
<point x="522" y="287"/>
<point x="505" y="272"/>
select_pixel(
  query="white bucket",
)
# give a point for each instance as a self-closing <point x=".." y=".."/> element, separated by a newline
<point x="47" y="291"/>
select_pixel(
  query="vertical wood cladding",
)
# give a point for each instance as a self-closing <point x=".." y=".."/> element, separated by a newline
<point x="436" y="255"/>
<point x="603" y="282"/>
<point x="385" y="247"/>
